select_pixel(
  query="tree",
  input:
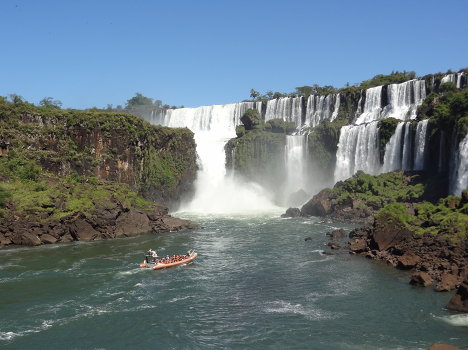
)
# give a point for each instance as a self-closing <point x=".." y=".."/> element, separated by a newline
<point x="139" y="100"/>
<point x="254" y="94"/>
<point x="16" y="98"/>
<point x="304" y="90"/>
<point x="50" y="102"/>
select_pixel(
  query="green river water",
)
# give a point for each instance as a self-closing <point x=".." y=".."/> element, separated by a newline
<point x="255" y="285"/>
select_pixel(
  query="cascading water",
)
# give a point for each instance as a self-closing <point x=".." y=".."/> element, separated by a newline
<point x="460" y="177"/>
<point x="393" y="150"/>
<point x="455" y="78"/>
<point x="357" y="150"/>
<point x="286" y="108"/>
<point x="215" y="192"/>
<point x="355" y="146"/>
<point x="320" y="108"/>
<point x="420" y="145"/>
<point x="372" y="106"/>
<point x="407" y="148"/>
<point x="296" y="168"/>
<point x="404" y="99"/>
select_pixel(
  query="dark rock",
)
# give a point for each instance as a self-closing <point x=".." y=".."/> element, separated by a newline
<point x="292" y="213"/>
<point x="48" y="239"/>
<point x="83" y="230"/>
<point x="421" y="279"/>
<point x="357" y="245"/>
<point x="175" y="224"/>
<point x="333" y="245"/>
<point x="308" y="239"/>
<point x="447" y="283"/>
<point x="459" y="301"/>
<point x="67" y="238"/>
<point x="407" y="261"/>
<point x="25" y="238"/>
<point x="132" y="223"/>
<point x="340" y="233"/>
<point x="389" y="232"/>
<point x="4" y="240"/>
<point x="319" y="205"/>
<point x="327" y="253"/>
<point x="464" y="198"/>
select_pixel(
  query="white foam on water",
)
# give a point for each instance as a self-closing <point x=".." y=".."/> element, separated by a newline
<point x="310" y="312"/>
<point x="12" y="335"/>
<point x="460" y="320"/>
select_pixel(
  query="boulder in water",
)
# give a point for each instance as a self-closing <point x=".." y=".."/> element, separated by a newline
<point x="340" y="233"/>
<point x="421" y="279"/>
<point x="292" y="213"/>
<point x="459" y="301"/>
<point x="447" y="282"/>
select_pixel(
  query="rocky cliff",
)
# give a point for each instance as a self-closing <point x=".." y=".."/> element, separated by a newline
<point x="157" y="162"/>
<point x="79" y="175"/>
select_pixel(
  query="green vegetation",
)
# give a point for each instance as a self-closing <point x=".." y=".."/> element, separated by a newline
<point x="45" y="142"/>
<point x="52" y="199"/>
<point x="449" y="217"/>
<point x="323" y="144"/>
<point x="386" y="79"/>
<point x="447" y="109"/>
<point x="387" y="128"/>
<point x="49" y="102"/>
<point x="377" y="191"/>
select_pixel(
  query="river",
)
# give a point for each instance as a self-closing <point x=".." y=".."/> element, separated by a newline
<point x="257" y="284"/>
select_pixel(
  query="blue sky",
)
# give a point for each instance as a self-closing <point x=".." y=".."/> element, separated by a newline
<point x="93" y="53"/>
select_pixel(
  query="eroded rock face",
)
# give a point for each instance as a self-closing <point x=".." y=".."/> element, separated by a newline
<point x="388" y="233"/>
<point x="319" y="205"/>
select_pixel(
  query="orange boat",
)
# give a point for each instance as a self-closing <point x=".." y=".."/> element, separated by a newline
<point x="159" y="264"/>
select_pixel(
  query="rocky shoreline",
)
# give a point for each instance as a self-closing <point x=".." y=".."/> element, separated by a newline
<point x="403" y="229"/>
<point x="113" y="220"/>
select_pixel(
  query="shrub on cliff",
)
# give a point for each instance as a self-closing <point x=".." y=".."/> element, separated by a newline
<point x="251" y="118"/>
<point x="447" y="109"/>
<point x="449" y="217"/>
<point x="280" y="126"/>
<point x="387" y="128"/>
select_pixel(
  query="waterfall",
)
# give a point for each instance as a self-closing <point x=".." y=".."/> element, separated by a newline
<point x="213" y="126"/>
<point x="336" y="109"/>
<point x="407" y="148"/>
<point x="420" y="145"/>
<point x="321" y="107"/>
<point x="393" y="150"/>
<point x="460" y="177"/>
<point x="357" y="150"/>
<point x="455" y="78"/>
<point x="372" y="106"/>
<point x="286" y="108"/>
<point x="296" y="167"/>
<point x="404" y="99"/>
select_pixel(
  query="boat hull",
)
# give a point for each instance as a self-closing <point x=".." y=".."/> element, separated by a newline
<point x="160" y="266"/>
<point x="181" y="262"/>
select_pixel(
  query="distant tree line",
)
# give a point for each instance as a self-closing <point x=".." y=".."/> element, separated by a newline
<point x="395" y="77"/>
